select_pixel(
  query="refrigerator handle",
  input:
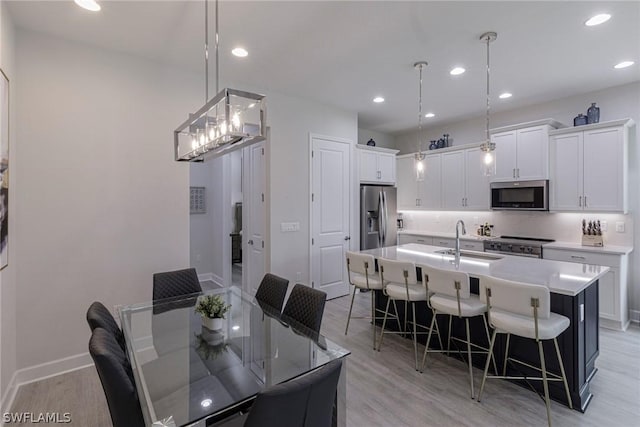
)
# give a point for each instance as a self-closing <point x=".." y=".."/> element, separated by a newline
<point x="385" y="219"/>
<point x="380" y="220"/>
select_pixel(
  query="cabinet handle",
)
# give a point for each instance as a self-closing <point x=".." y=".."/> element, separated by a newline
<point x="577" y="257"/>
<point x="444" y="243"/>
<point x="418" y="202"/>
<point x="468" y="246"/>
<point x="585" y="201"/>
<point x="517" y="172"/>
<point x="580" y="201"/>
<point x="420" y="240"/>
<point x="514" y="172"/>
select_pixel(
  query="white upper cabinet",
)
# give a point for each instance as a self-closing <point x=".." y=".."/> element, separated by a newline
<point x="589" y="167"/>
<point x="425" y="194"/>
<point x="376" y="165"/>
<point x="464" y="187"/>
<point x="522" y="151"/>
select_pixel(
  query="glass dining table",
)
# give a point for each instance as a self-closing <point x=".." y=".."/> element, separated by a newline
<point x="188" y="375"/>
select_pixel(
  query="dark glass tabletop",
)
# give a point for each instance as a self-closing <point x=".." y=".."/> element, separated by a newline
<point x="186" y="373"/>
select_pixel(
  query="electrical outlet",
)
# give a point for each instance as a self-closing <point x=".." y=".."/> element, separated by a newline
<point x="289" y="227"/>
<point x="619" y="226"/>
<point x="603" y="225"/>
<point x="476" y="221"/>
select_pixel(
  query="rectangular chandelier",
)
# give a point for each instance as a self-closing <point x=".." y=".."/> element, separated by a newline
<point x="231" y="120"/>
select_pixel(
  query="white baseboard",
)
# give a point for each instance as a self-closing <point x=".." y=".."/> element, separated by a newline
<point x="634" y="316"/>
<point x="9" y="397"/>
<point x="205" y="277"/>
<point x="41" y="372"/>
<point x="217" y="279"/>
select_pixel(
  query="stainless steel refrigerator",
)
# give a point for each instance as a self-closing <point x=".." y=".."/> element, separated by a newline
<point x="378" y="225"/>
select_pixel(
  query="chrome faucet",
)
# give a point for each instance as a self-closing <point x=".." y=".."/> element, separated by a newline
<point x="464" y="231"/>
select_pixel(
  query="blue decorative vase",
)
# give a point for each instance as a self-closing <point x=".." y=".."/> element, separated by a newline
<point x="580" y="120"/>
<point x="433" y="145"/>
<point x="593" y="114"/>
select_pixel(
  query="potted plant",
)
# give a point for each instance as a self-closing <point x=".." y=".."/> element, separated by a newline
<point x="212" y="308"/>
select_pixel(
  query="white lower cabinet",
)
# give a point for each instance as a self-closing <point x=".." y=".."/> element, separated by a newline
<point x="414" y="238"/>
<point x="612" y="287"/>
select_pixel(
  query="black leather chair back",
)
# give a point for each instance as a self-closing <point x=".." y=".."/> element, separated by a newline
<point x="272" y="291"/>
<point x="306" y="306"/>
<point x="99" y="316"/>
<point x="304" y="402"/>
<point x="177" y="283"/>
<point x="117" y="380"/>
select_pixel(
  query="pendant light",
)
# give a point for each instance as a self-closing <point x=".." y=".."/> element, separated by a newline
<point x="488" y="147"/>
<point x="420" y="157"/>
<point x="230" y="120"/>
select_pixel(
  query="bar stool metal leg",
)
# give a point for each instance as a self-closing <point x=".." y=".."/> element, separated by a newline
<point x="415" y="335"/>
<point x="564" y="376"/>
<point x="544" y="381"/>
<point x="384" y="323"/>
<point x="506" y="356"/>
<point x="449" y="334"/>
<point x="373" y="316"/>
<point x="466" y="321"/>
<point x="486" y="329"/>
<point x="486" y="366"/>
<point x="426" y="349"/>
<point x="350" y="308"/>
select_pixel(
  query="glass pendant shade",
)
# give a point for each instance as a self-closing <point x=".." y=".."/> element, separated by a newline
<point x="488" y="159"/>
<point x="419" y="166"/>
<point x="230" y="120"/>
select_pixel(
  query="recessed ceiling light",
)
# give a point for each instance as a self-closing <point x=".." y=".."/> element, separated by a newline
<point x="91" y="5"/>
<point x="206" y="403"/>
<point x="235" y="327"/>
<point x="624" y="64"/>
<point x="429" y="115"/>
<point x="457" y="71"/>
<point x="505" y="95"/>
<point x="240" y="52"/>
<point x="597" y="19"/>
<point x="378" y="99"/>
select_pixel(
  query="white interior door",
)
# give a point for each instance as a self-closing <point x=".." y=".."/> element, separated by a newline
<point x="330" y="213"/>
<point x="254" y="216"/>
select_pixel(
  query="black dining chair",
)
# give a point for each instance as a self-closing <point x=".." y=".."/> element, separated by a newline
<point x="306" y="306"/>
<point x="171" y="284"/>
<point x="174" y="285"/>
<point x="99" y="316"/>
<point x="306" y="401"/>
<point x="116" y="378"/>
<point x="272" y="291"/>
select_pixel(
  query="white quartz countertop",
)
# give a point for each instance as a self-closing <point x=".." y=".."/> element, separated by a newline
<point x="606" y="249"/>
<point x="566" y="278"/>
<point x="473" y="237"/>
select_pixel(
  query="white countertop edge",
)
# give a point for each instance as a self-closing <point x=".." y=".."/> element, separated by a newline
<point x="606" y="249"/>
<point x="444" y="234"/>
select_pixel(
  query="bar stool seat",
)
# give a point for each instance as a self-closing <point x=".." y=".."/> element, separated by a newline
<point x="416" y="292"/>
<point x="469" y="307"/>
<point x="522" y="326"/>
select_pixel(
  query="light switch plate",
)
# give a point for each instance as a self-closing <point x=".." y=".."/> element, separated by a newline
<point x="619" y="226"/>
<point x="289" y="227"/>
<point x="603" y="225"/>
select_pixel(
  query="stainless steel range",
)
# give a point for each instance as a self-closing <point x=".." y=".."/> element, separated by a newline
<point x="514" y="245"/>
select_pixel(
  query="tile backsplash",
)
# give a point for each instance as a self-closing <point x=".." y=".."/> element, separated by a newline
<point x="565" y="227"/>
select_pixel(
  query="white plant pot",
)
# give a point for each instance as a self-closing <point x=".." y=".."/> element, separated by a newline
<point x="212" y="324"/>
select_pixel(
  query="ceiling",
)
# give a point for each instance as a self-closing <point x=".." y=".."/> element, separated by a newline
<point x="345" y="53"/>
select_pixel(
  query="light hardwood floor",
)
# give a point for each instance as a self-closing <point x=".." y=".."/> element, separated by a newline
<point x="383" y="389"/>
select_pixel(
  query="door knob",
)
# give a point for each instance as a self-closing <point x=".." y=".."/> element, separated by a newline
<point x="347" y="238"/>
<point x="250" y="242"/>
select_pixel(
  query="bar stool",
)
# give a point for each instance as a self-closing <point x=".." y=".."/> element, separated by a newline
<point x="361" y="270"/>
<point x="451" y="295"/>
<point x="524" y="310"/>
<point x="400" y="284"/>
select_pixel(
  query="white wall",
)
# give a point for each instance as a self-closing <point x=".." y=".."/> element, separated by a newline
<point x="382" y="139"/>
<point x="201" y="226"/>
<point x="615" y="103"/>
<point x="8" y="275"/>
<point x="291" y="120"/>
<point x="102" y="204"/>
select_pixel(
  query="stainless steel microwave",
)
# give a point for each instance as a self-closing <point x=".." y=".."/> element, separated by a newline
<point x="520" y="195"/>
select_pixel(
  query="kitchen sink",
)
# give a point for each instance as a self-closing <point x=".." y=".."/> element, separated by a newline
<point x="470" y="254"/>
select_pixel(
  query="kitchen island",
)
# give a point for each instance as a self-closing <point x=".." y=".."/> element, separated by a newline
<point x="574" y="294"/>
